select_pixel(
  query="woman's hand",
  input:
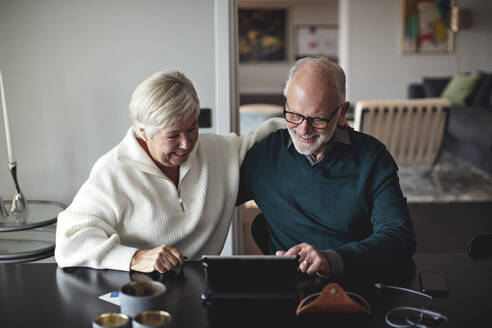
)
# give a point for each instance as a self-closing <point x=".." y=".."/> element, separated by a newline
<point x="163" y="258"/>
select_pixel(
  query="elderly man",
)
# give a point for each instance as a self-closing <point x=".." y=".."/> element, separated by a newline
<point x="327" y="192"/>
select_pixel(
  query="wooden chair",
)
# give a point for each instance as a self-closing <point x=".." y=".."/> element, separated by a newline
<point x="413" y="130"/>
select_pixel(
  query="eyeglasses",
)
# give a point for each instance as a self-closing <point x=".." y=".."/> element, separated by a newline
<point x="315" y="122"/>
<point x="409" y="316"/>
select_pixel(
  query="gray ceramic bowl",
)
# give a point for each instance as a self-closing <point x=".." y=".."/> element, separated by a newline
<point x="139" y="296"/>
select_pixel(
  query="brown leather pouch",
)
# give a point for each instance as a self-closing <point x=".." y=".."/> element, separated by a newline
<point x="333" y="300"/>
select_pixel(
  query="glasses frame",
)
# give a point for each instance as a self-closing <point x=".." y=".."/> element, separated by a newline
<point x="422" y="313"/>
<point x="310" y="119"/>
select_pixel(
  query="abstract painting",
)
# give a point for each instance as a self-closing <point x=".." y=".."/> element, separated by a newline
<point x="262" y="35"/>
<point x="426" y="26"/>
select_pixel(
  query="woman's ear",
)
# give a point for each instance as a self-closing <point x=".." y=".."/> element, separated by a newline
<point x="144" y="136"/>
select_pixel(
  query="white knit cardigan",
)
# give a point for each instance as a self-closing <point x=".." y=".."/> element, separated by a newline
<point x="129" y="204"/>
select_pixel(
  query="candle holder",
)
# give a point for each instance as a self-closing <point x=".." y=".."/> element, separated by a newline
<point x="19" y="205"/>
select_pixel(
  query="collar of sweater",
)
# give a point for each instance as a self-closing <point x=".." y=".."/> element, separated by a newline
<point x="131" y="154"/>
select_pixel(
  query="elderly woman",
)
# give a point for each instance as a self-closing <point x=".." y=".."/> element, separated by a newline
<point x="163" y="193"/>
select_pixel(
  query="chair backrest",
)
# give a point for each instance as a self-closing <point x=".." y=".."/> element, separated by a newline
<point x="413" y="130"/>
<point x="252" y="115"/>
<point x="266" y="109"/>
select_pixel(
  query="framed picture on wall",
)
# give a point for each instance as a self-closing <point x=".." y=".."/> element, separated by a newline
<point x="262" y="35"/>
<point x="314" y="40"/>
<point x="425" y="26"/>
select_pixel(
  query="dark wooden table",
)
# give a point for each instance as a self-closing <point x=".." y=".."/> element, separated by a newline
<point x="43" y="295"/>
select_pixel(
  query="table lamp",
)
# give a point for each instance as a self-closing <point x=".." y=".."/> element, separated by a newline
<point x="19" y="205"/>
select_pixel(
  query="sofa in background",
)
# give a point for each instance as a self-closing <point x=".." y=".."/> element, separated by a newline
<point x="469" y="133"/>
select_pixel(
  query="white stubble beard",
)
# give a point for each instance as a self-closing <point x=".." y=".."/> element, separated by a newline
<point x="305" y="149"/>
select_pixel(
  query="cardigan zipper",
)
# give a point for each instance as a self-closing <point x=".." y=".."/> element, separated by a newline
<point x="180" y="200"/>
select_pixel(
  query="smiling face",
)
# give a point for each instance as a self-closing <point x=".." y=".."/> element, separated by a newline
<point x="170" y="147"/>
<point x="313" y="93"/>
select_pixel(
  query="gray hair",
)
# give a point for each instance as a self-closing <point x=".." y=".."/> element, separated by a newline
<point x="162" y="100"/>
<point x="324" y="64"/>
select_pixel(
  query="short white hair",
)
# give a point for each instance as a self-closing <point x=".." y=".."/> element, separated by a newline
<point x="162" y="100"/>
<point x="324" y="64"/>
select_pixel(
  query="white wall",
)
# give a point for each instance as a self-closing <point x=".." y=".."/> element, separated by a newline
<point x="371" y="54"/>
<point x="70" y="68"/>
<point x="270" y="78"/>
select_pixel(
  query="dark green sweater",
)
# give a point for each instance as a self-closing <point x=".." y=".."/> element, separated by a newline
<point x="351" y="202"/>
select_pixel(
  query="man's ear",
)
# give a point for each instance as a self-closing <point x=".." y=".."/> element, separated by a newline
<point x="344" y="110"/>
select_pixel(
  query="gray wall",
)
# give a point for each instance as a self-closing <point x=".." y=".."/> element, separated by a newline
<point x="269" y="78"/>
<point x="375" y="67"/>
<point x="70" y="68"/>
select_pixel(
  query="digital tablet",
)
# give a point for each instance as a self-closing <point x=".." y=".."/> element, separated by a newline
<point x="250" y="277"/>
